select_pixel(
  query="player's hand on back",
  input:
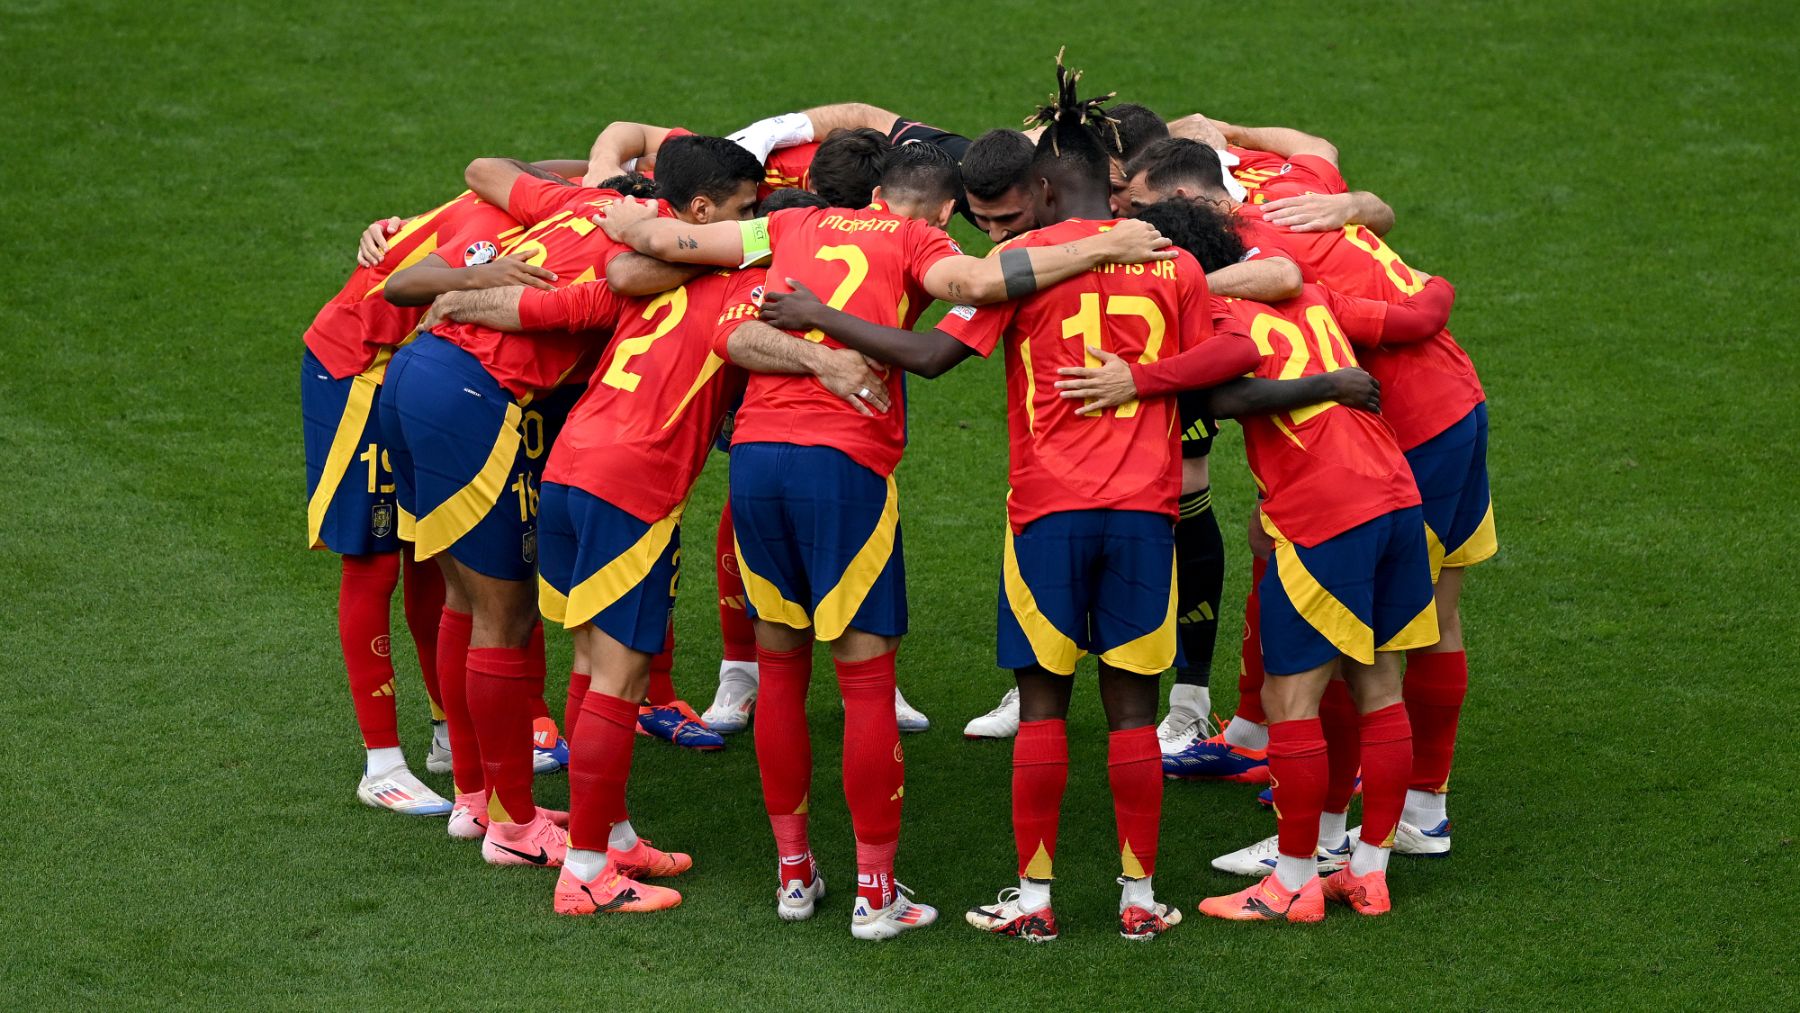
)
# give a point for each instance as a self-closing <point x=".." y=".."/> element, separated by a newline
<point x="792" y="311"/>
<point x="847" y="374"/>
<point x="1356" y="388"/>
<point x="1135" y="242"/>
<point x="621" y="216"/>
<point x="442" y="308"/>
<point x="1311" y="212"/>
<point x="1106" y="386"/>
<point x="373" y="244"/>
<point x="1197" y="127"/>
<point x="511" y="271"/>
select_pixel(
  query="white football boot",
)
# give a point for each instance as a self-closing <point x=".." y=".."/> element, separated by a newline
<point x="907" y="716"/>
<point x="901" y="915"/>
<point x="1000" y="723"/>
<point x="1259" y="859"/>
<point x="397" y="790"/>
<point x="735" y="700"/>
<point x="438" y="760"/>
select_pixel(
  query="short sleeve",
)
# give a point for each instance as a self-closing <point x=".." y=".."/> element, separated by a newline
<point x="925" y="247"/>
<point x="979" y="327"/>
<point x="532" y="200"/>
<point x="1305" y="174"/>
<point x="586" y="307"/>
<point x="742" y="303"/>
<point x="1362" y="320"/>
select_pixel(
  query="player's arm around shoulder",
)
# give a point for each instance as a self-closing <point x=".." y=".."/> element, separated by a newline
<point x="1019" y="271"/>
<point x="719" y="244"/>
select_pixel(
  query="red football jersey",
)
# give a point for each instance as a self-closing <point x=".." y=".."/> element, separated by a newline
<point x="1324" y="468"/>
<point x="1125" y="458"/>
<point x="640" y="435"/>
<point x="357" y="323"/>
<point x="871" y="264"/>
<point x="1265" y="175"/>
<point x="787" y="169"/>
<point x="1426" y="386"/>
<point x="563" y="239"/>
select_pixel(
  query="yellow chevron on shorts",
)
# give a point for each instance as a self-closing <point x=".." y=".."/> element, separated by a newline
<point x="344" y="444"/>
<point x="553" y="605"/>
<point x="840" y="604"/>
<point x="1480" y="545"/>
<point x="1434" y="552"/>
<point x="597" y="593"/>
<point x="766" y="597"/>
<point x="1420" y="631"/>
<point x="1319" y="607"/>
<point x="407" y="526"/>
<point x="1153" y="652"/>
<point x="1054" y="650"/>
<point x="458" y="515"/>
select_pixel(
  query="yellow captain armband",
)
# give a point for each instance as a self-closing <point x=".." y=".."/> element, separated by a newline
<point x="755" y="235"/>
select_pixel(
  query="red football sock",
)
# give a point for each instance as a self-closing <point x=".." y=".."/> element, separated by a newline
<point x="875" y="873"/>
<point x="599" y="766"/>
<point x="1250" y="668"/>
<point x="364" y="590"/>
<point x="1040" y="773"/>
<point x="1436" y="683"/>
<point x="736" y="632"/>
<point x="783" y="744"/>
<point x="1134" y="769"/>
<point x="539" y="671"/>
<point x="423" y="595"/>
<point x="1387" y="766"/>
<point x="453" y="681"/>
<point x="578" y="687"/>
<point x="874" y="773"/>
<point x="1343" y="744"/>
<point x="662" y="686"/>
<point x="1298" y="770"/>
<point x="500" y="702"/>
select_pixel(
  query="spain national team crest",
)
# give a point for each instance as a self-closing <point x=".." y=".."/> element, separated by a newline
<point x="479" y="253"/>
<point x="528" y="546"/>
<point x="381" y="520"/>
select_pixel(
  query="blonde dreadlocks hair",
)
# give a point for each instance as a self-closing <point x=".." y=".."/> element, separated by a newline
<point x="1068" y="114"/>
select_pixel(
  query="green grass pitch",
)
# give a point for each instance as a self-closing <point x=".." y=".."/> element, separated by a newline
<point x="1611" y="185"/>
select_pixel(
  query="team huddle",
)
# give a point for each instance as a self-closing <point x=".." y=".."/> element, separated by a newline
<point x="510" y="401"/>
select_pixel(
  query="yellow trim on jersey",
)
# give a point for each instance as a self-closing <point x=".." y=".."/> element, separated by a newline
<point x="553" y="605"/>
<point x="418" y="253"/>
<point x="1480" y="545"/>
<point x="1154" y="652"/>
<point x="840" y="604"/>
<point x="1319" y="607"/>
<point x="1030" y="386"/>
<point x="458" y="515"/>
<point x="1054" y="651"/>
<point x="408" y="525"/>
<point x="1420" y="631"/>
<point x="599" y="591"/>
<point x="766" y="598"/>
<point x="344" y="444"/>
<point x="708" y="370"/>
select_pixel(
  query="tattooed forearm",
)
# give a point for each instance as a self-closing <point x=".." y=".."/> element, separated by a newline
<point x="686" y="243"/>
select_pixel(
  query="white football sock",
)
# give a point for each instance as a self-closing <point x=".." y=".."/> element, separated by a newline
<point x="1137" y="893"/>
<point x="1295" y="873"/>
<point x="1197" y="699"/>
<point x="380" y="761"/>
<point x="1034" y="894"/>
<point x="623" y="838"/>
<point x="782" y="131"/>
<point x="585" y="865"/>
<point x="1331" y="829"/>
<point x="440" y="734"/>
<point x="1424" y="809"/>
<point x="1247" y="734"/>
<point x="1368" y="858"/>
